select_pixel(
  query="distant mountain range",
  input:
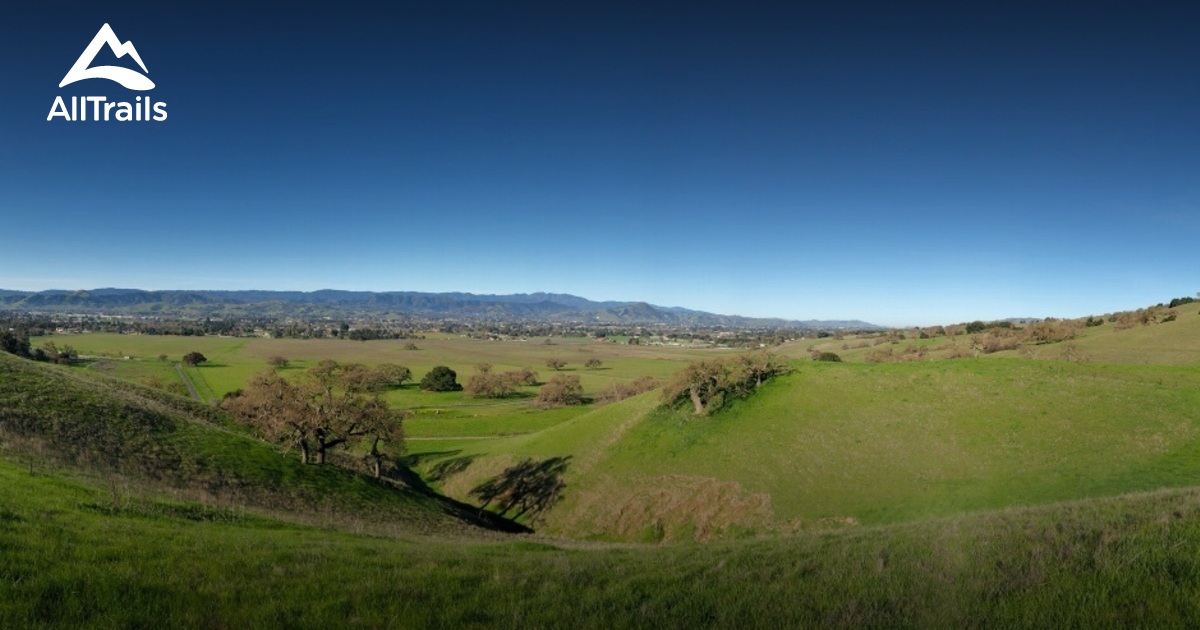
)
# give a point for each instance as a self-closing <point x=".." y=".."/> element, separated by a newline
<point x="525" y="307"/>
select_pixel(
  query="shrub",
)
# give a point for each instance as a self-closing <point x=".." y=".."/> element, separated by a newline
<point x="997" y="344"/>
<point x="526" y="376"/>
<point x="827" y="356"/>
<point x="1051" y="331"/>
<point x="621" y="391"/>
<point x="560" y="391"/>
<point x="884" y="355"/>
<point x="277" y="362"/>
<point x="441" y="379"/>
<point x="488" y="384"/>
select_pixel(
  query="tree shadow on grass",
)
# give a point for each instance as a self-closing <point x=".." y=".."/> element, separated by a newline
<point x="416" y="459"/>
<point x="529" y="488"/>
<point x="402" y="473"/>
<point x="450" y="467"/>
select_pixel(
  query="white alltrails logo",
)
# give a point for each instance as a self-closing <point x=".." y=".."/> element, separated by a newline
<point x="142" y="108"/>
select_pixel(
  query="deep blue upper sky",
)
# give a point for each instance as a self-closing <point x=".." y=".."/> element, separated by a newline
<point x="903" y="163"/>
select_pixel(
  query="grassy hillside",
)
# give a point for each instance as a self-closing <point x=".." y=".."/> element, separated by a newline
<point x="132" y="435"/>
<point x="836" y="443"/>
<point x="1176" y="342"/>
<point x="74" y="555"/>
<point x="1169" y="343"/>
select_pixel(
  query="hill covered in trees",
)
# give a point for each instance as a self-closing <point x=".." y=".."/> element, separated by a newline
<point x="540" y="307"/>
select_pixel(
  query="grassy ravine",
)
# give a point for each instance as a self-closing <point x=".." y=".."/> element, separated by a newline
<point x="72" y="554"/>
<point x="52" y="415"/>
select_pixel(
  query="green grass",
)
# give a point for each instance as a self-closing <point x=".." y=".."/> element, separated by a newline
<point x="232" y="361"/>
<point x="873" y="443"/>
<point x="121" y="506"/>
<point x="54" y="414"/>
<point x="72" y="554"/>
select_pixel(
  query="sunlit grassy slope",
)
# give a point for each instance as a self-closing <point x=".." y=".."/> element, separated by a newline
<point x="871" y="443"/>
<point x="75" y="555"/>
<point x="1170" y="343"/>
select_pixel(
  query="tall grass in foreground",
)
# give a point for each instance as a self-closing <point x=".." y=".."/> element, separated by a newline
<point x="75" y="554"/>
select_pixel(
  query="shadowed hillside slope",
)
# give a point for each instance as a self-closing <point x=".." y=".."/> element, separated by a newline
<point x="51" y="414"/>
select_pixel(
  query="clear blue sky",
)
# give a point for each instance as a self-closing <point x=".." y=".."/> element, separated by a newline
<point x="902" y="163"/>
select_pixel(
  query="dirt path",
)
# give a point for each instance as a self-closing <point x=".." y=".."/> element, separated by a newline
<point x="187" y="381"/>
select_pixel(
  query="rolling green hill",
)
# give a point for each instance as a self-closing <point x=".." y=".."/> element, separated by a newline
<point x="72" y="555"/>
<point x="133" y="436"/>
<point x="860" y="443"/>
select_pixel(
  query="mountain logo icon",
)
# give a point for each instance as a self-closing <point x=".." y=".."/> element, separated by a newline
<point x="130" y="79"/>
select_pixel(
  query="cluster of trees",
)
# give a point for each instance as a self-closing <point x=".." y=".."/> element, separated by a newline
<point x="627" y="389"/>
<point x="1181" y="301"/>
<point x="1143" y="317"/>
<point x="486" y="383"/>
<point x="709" y="384"/>
<point x="17" y="342"/>
<point x="330" y="405"/>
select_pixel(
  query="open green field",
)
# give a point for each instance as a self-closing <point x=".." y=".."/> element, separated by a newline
<point x="231" y="361"/>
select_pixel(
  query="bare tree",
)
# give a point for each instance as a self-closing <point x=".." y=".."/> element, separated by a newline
<point x="330" y="406"/>
<point x="560" y="391"/>
<point x="393" y="375"/>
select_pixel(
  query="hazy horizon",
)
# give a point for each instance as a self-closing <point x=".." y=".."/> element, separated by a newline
<point x="651" y="301"/>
